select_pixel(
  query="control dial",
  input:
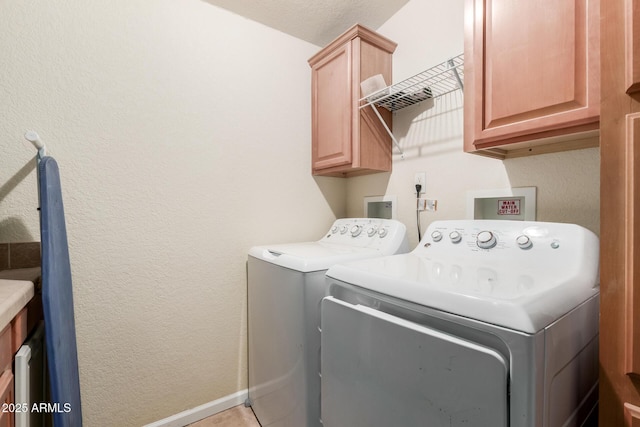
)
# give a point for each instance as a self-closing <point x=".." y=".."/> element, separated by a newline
<point x="356" y="230"/>
<point x="343" y="229"/>
<point x="524" y="242"/>
<point x="382" y="232"/>
<point x="371" y="231"/>
<point x="436" y="236"/>
<point x="486" y="240"/>
<point x="334" y="229"/>
<point x="455" y="237"/>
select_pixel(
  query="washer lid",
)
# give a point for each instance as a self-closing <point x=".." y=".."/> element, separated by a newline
<point x="311" y="256"/>
<point x="347" y="239"/>
<point x="521" y="289"/>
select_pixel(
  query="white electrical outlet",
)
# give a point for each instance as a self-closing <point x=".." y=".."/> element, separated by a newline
<point x="421" y="179"/>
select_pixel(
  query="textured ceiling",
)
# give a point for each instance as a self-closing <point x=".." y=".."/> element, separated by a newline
<point x="317" y="22"/>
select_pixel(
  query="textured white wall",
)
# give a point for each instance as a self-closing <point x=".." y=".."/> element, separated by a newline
<point x="429" y="32"/>
<point x="183" y="138"/>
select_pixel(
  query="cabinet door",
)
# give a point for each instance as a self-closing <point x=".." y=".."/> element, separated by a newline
<point x="331" y="107"/>
<point x="619" y="213"/>
<point x="532" y="70"/>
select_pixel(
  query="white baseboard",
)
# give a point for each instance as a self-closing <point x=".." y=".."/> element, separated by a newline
<point x="203" y="411"/>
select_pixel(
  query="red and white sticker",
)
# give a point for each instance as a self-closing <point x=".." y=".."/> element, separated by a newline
<point x="509" y="207"/>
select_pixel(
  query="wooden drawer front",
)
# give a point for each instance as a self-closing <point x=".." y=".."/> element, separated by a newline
<point x="25" y="322"/>
<point x="18" y="330"/>
<point x="6" y="397"/>
<point x="6" y="351"/>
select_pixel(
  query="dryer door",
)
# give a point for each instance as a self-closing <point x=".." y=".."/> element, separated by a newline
<point x="381" y="370"/>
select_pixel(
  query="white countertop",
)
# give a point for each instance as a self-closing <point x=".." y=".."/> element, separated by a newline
<point x="14" y="295"/>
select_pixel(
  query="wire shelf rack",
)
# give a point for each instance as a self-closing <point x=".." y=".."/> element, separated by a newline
<point x="432" y="83"/>
<point x="439" y="80"/>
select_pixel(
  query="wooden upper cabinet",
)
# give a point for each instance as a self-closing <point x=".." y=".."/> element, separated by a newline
<point x="532" y="76"/>
<point x="347" y="140"/>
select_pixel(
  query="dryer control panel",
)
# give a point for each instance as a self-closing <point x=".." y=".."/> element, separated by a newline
<point x="462" y="236"/>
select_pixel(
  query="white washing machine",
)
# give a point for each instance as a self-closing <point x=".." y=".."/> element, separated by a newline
<point x="485" y="323"/>
<point x="286" y="284"/>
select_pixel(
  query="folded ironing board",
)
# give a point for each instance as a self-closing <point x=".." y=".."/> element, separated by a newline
<point x="57" y="300"/>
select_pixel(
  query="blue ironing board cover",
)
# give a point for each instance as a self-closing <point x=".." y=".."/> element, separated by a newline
<point x="57" y="299"/>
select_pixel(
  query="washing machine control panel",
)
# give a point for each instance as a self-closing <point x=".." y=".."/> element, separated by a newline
<point x="382" y="234"/>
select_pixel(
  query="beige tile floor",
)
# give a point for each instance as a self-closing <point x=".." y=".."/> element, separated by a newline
<point x="238" y="416"/>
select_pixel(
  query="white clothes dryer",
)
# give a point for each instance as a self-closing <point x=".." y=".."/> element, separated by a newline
<point x="286" y="284"/>
<point x="484" y="324"/>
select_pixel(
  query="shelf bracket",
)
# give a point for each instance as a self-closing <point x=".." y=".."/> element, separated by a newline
<point x="454" y="69"/>
<point x="393" y="138"/>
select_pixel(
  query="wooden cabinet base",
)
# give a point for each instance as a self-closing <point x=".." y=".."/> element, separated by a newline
<point x="6" y="398"/>
<point x="552" y="144"/>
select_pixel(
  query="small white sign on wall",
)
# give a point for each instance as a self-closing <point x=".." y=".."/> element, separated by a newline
<point x="509" y="207"/>
<point x="518" y="204"/>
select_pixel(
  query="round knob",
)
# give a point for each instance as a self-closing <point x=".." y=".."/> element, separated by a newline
<point x="356" y="230"/>
<point x="334" y="229"/>
<point x="486" y="240"/>
<point x="382" y="232"/>
<point x="524" y="242"/>
<point x="455" y="237"/>
<point x="371" y="231"/>
<point x="343" y="229"/>
<point x="436" y="236"/>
